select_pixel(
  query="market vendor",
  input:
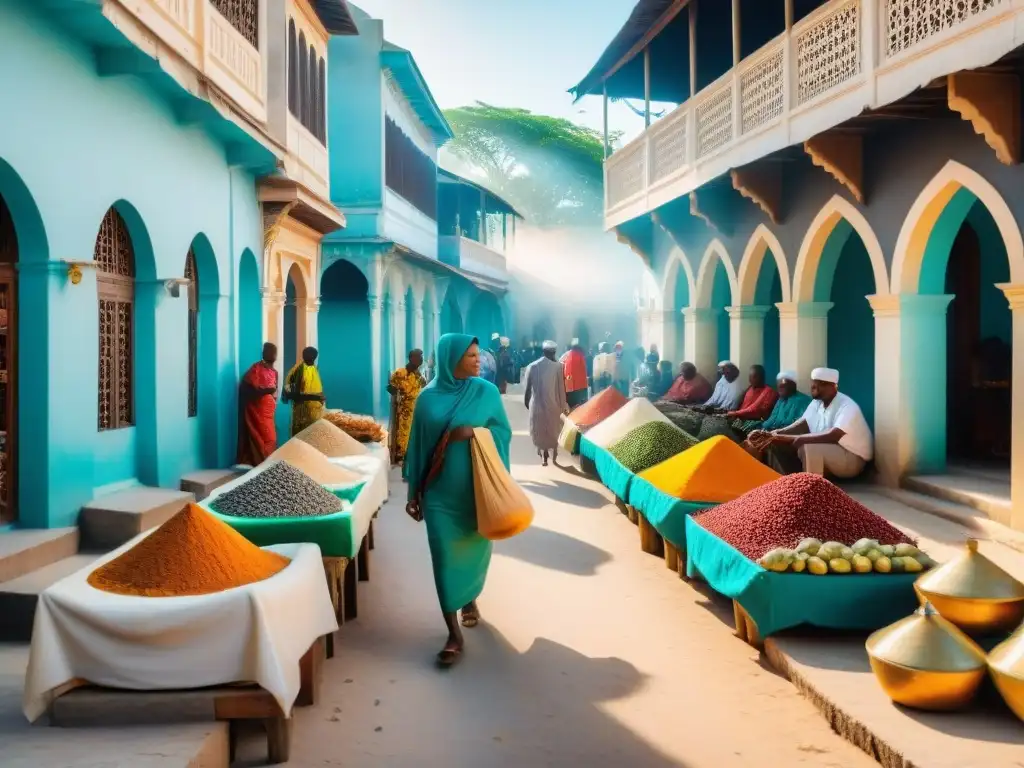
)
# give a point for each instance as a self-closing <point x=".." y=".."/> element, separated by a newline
<point x="257" y="400"/>
<point x="689" y="387"/>
<point x="758" y="402"/>
<point x="728" y="390"/>
<point x="305" y="391"/>
<point x="604" y="367"/>
<point x="831" y="437"/>
<point x="790" y="406"/>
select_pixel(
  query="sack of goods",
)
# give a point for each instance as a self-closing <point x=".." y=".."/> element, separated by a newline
<point x="502" y="508"/>
<point x="802" y="523"/>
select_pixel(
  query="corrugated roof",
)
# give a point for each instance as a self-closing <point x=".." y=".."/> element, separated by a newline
<point x="410" y="80"/>
<point x="503" y="207"/>
<point x="336" y="17"/>
<point x="644" y="16"/>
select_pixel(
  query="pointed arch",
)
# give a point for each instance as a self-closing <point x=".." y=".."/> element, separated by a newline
<point x="677" y="261"/>
<point x="836" y="210"/>
<point x="761" y="241"/>
<point x="706" y="275"/>
<point x="924" y="214"/>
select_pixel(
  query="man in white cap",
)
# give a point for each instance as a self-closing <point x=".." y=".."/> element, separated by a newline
<point x="790" y="407"/>
<point x="574" y="363"/>
<point x="604" y="367"/>
<point x="506" y="365"/>
<point x="728" y="390"/>
<point x="831" y="437"/>
<point x="545" y="399"/>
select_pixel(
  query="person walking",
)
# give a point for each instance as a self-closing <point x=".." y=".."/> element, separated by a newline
<point x="439" y="472"/>
<point x="257" y="400"/>
<point x="546" y="402"/>
<point x="575" y="364"/>
<point x="404" y="387"/>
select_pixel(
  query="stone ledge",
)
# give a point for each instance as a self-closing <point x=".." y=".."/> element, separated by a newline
<point x="109" y="521"/>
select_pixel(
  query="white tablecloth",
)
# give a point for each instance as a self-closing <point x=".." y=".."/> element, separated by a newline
<point x="374" y="492"/>
<point x="256" y="633"/>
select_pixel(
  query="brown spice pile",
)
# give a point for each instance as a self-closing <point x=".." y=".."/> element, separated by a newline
<point x="331" y="441"/>
<point x="362" y="428"/>
<point x="193" y="553"/>
<point x="311" y="462"/>
<point x="598" y="408"/>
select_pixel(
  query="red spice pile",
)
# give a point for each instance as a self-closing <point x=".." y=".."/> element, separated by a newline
<point x="785" y="511"/>
<point x="598" y="408"/>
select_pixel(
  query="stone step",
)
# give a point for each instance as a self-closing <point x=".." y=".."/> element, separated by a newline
<point x="109" y="521"/>
<point x="25" y="551"/>
<point x="19" y="597"/>
<point x="985" y="494"/>
<point x="200" y="484"/>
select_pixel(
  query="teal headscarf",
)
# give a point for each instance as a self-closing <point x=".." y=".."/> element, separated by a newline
<point x="450" y="350"/>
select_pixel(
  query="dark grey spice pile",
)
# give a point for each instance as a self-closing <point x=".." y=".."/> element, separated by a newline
<point x="712" y="426"/>
<point x="281" y="490"/>
<point x="682" y="416"/>
<point x="649" y="444"/>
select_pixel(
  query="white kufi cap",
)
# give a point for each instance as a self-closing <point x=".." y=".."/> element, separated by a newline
<point x="788" y="375"/>
<point x="725" y="363"/>
<point x="831" y="375"/>
<point x="494" y="336"/>
<point x="549" y="345"/>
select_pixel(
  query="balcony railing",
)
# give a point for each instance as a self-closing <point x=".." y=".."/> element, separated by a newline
<point x="473" y="256"/>
<point x="844" y="57"/>
<point x="197" y="31"/>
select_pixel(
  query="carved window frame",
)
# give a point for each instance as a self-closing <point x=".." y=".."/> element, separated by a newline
<point x="192" y="275"/>
<point x="114" y="254"/>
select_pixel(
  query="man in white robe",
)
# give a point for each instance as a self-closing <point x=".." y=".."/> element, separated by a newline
<point x="546" y="401"/>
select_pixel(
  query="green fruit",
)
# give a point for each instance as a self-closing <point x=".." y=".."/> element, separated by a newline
<point x="799" y="564"/>
<point x="809" y="546"/>
<point x="862" y="546"/>
<point x="897" y="564"/>
<point x="883" y="564"/>
<point x="925" y="561"/>
<point x="847" y="553"/>
<point x="861" y="564"/>
<point x="780" y="566"/>
<point x="839" y="565"/>
<point x="910" y="565"/>
<point x="817" y="566"/>
<point x="906" y="550"/>
<point x="873" y="554"/>
<point x="888" y="550"/>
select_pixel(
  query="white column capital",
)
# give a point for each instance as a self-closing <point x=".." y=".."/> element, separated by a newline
<point x="274" y="299"/>
<point x="918" y="304"/>
<point x="1014" y="293"/>
<point x="751" y="311"/>
<point x="699" y="314"/>
<point x="793" y="309"/>
<point x="375" y="303"/>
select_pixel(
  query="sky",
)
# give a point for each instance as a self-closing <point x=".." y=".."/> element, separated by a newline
<point x="510" y="53"/>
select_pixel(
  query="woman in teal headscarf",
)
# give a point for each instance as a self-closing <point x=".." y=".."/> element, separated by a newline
<point x="439" y="472"/>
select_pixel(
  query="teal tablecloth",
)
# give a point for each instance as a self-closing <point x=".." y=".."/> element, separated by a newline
<point x="587" y="449"/>
<point x="778" y="601"/>
<point x="335" y="533"/>
<point x="666" y="513"/>
<point x="615" y="477"/>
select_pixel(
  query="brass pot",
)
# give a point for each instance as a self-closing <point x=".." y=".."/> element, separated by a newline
<point x="1006" y="665"/>
<point x="925" y="662"/>
<point x="974" y="593"/>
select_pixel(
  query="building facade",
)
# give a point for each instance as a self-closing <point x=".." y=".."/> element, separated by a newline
<point x="413" y="262"/>
<point x="839" y="184"/>
<point x="152" y="143"/>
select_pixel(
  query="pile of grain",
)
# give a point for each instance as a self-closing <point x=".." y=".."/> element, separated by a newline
<point x="714" y="471"/>
<point x="650" y="444"/>
<point x="280" y="490"/>
<point x="714" y="426"/>
<point x="633" y="414"/>
<point x="597" y="408"/>
<point x="365" y="429"/>
<point x="332" y="442"/>
<point x="193" y="553"/>
<point x="795" y="507"/>
<point x="312" y="463"/>
<point x="682" y="416"/>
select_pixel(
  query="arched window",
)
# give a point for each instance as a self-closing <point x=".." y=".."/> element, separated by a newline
<point x="115" y="282"/>
<point x="312" y="93"/>
<point x="323" y="102"/>
<point x="293" y="70"/>
<point x="300" y="63"/>
<point x="192" y="275"/>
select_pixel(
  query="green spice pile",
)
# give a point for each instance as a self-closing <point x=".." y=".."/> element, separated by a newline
<point x="650" y="444"/>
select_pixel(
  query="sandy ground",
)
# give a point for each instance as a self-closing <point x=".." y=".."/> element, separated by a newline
<point x="591" y="653"/>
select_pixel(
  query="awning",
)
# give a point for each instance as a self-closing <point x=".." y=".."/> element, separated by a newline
<point x="309" y="209"/>
<point x="335" y="16"/>
<point x="409" y="78"/>
<point x="490" y="284"/>
<point x="447" y="177"/>
<point x="645" y="16"/>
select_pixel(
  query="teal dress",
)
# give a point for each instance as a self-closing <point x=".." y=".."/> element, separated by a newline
<point x="460" y="555"/>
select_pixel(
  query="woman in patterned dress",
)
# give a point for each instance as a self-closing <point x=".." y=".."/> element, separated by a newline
<point x="404" y="387"/>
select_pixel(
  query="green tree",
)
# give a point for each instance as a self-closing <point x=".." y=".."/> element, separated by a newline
<point x="549" y="168"/>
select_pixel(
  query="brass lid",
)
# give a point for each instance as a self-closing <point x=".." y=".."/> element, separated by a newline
<point x="926" y="641"/>
<point x="971" y="575"/>
<point x="1008" y="656"/>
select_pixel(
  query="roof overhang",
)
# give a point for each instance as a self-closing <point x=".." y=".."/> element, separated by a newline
<point x="447" y="177"/>
<point x="489" y="284"/>
<point x="402" y="66"/>
<point x="335" y="16"/>
<point x="312" y="210"/>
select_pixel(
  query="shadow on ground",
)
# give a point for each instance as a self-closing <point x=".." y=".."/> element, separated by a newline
<point x="565" y="493"/>
<point x="553" y="550"/>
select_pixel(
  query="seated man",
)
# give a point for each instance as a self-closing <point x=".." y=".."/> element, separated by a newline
<point x="689" y="387"/>
<point x="757" y="404"/>
<point x="791" y="405"/>
<point x="832" y="436"/>
<point x="728" y="390"/>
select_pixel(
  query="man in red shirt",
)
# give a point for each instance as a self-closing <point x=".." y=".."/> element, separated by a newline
<point x="575" y="364"/>
<point x="758" y="400"/>
<point x="689" y="387"/>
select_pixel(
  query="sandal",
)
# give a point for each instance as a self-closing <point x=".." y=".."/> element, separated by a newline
<point x="469" y="619"/>
<point x="447" y="657"/>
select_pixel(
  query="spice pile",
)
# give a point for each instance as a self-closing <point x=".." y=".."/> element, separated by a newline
<point x="650" y="444"/>
<point x="362" y="428"/>
<point x="634" y="413"/>
<point x="785" y="512"/>
<point x="193" y="553"/>
<point x="713" y="426"/>
<point x="312" y="463"/>
<point x="597" y="408"/>
<point x="714" y="471"/>
<point x="331" y="441"/>
<point x="280" y="490"/>
<point x="682" y="416"/>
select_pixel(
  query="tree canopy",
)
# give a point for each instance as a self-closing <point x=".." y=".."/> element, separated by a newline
<point x="548" y="168"/>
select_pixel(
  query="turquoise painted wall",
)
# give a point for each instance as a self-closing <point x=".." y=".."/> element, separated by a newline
<point x="485" y="319"/>
<point x="721" y="297"/>
<point x="681" y="300"/>
<point x="346" y="359"/>
<point x="767" y="294"/>
<point x="451" y="317"/>
<point x="111" y="140"/>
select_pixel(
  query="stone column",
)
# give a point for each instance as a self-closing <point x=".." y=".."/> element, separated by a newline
<point x="804" y="338"/>
<point x="891" y="437"/>
<point x="746" y="335"/>
<point x="435" y="323"/>
<point x="376" y="333"/>
<point x="421" y="331"/>
<point x="401" y="345"/>
<point x="701" y="339"/>
<point x="1015" y="295"/>
<point x="273" y="326"/>
<point x="307" y="311"/>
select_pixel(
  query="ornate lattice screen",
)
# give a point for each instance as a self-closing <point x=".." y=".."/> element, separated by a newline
<point x="115" y="282"/>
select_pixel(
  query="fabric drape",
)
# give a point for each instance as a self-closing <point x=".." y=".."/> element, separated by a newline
<point x="304" y="379"/>
<point x="257" y="435"/>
